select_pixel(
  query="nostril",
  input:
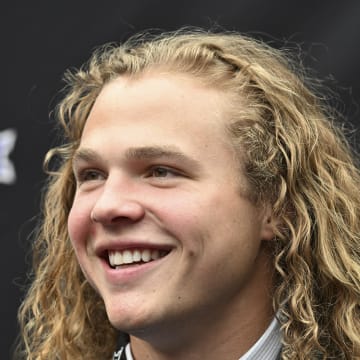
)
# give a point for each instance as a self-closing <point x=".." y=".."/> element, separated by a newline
<point x="93" y="217"/>
<point x="118" y="212"/>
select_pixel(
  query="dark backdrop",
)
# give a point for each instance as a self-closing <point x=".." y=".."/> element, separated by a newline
<point x="40" y="40"/>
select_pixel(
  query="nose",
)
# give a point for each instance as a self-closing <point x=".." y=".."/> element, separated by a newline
<point x="117" y="203"/>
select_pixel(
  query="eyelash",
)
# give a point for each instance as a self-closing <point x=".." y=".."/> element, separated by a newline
<point x="164" y="172"/>
<point x="162" y="169"/>
<point x="83" y="175"/>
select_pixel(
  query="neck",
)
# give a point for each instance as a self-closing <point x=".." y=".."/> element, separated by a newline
<point x="215" y="342"/>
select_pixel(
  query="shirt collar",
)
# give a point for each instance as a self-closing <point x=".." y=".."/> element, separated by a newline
<point x="266" y="348"/>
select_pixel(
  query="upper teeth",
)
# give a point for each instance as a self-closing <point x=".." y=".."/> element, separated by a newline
<point x="117" y="258"/>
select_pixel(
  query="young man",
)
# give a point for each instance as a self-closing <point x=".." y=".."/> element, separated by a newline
<point x="205" y="208"/>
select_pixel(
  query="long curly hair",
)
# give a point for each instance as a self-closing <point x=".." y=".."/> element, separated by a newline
<point x="294" y="157"/>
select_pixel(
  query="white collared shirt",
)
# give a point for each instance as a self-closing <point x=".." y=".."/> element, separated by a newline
<point x="266" y="348"/>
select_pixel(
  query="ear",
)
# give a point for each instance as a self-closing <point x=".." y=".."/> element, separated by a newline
<point x="269" y="224"/>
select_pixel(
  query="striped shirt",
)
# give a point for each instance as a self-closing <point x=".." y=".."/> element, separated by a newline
<point x="268" y="347"/>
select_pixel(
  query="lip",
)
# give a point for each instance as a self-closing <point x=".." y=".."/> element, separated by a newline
<point x="130" y="273"/>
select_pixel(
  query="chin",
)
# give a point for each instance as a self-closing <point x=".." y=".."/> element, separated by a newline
<point x="127" y="320"/>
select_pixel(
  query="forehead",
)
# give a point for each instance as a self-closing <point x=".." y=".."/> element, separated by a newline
<point x="176" y="104"/>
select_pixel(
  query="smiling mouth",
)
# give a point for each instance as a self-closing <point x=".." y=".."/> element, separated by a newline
<point x="120" y="259"/>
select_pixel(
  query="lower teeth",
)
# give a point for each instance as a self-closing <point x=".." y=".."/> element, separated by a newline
<point x="134" y="263"/>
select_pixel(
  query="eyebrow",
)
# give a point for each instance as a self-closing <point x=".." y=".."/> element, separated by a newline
<point x="86" y="155"/>
<point x="140" y="153"/>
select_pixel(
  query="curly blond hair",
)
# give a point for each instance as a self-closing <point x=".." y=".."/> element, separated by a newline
<point x="295" y="158"/>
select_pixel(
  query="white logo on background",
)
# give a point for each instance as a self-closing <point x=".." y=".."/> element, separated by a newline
<point x="7" y="169"/>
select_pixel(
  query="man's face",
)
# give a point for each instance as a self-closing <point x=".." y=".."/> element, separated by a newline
<point x="160" y="194"/>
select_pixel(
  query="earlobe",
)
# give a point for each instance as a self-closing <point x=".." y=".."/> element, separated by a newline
<point x="269" y="225"/>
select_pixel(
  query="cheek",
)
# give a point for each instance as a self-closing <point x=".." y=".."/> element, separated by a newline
<point x="79" y="223"/>
<point x="189" y="219"/>
<point x="180" y="214"/>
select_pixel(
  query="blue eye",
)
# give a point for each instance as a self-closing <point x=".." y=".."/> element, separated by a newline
<point x="89" y="175"/>
<point x="161" y="172"/>
<point x="92" y="175"/>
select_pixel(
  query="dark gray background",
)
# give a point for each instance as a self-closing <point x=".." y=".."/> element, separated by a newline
<point x="39" y="40"/>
